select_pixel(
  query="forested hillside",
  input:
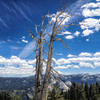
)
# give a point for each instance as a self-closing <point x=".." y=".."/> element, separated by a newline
<point x="77" y="92"/>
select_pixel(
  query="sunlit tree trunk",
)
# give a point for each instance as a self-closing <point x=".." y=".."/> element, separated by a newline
<point x="48" y="67"/>
<point x="39" y="64"/>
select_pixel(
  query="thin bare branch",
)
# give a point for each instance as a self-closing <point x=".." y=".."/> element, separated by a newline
<point x="62" y="20"/>
<point x="42" y="23"/>
<point x="32" y="35"/>
<point x="56" y="78"/>
<point x="45" y="53"/>
<point x="65" y="45"/>
<point x="61" y="12"/>
<point x="63" y="26"/>
<point x="36" y="29"/>
<point x="45" y="29"/>
<point x="55" y="71"/>
<point x="46" y="42"/>
<point x="44" y="61"/>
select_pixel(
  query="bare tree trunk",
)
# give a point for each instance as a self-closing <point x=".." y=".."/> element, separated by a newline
<point x="44" y="93"/>
<point x="48" y="69"/>
<point x="36" y="75"/>
<point x="39" y="64"/>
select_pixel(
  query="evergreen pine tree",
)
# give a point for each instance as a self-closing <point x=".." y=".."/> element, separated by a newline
<point x="82" y="95"/>
<point x="86" y="91"/>
<point x="55" y="94"/>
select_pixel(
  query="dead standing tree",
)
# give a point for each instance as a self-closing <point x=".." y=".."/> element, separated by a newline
<point x="57" y="27"/>
<point x="39" y="60"/>
<point x="41" y="86"/>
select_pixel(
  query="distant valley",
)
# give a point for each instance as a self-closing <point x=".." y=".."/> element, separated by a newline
<point x="17" y="83"/>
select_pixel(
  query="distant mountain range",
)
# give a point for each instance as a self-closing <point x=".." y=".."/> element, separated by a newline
<point x="62" y="81"/>
<point x="78" y="78"/>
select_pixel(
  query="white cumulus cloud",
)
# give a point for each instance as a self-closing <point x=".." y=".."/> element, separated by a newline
<point x="14" y="66"/>
<point x="25" y="41"/>
<point x="87" y="32"/>
<point x="90" y="23"/>
<point x="91" y="5"/>
<point x="69" y="37"/>
<point x="70" y="55"/>
<point x="85" y="64"/>
<point x="97" y="64"/>
<point x="91" y="13"/>
<point x="65" y="33"/>
<point x="97" y="54"/>
<point x="84" y="59"/>
<point x="85" y="54"/>
<point x="77" y="33"/>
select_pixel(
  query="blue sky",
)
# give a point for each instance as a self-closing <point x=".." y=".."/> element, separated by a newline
<point x="17" y="17"/>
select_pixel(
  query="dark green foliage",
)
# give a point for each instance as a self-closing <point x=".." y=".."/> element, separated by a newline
<point x="5" y="96"/>
<point x="55" y="94"/>
<point x="77" y="92"/>
<point x="86" y="89"/>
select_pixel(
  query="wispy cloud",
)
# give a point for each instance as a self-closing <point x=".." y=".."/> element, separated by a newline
<point x="3" y="23"/>
<point x="59" y="54"/>
<point x="27" y="50"/>
<point x="15" y="47"/>
<point x="5" y="5"/>
<point x="18" y="8"/>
